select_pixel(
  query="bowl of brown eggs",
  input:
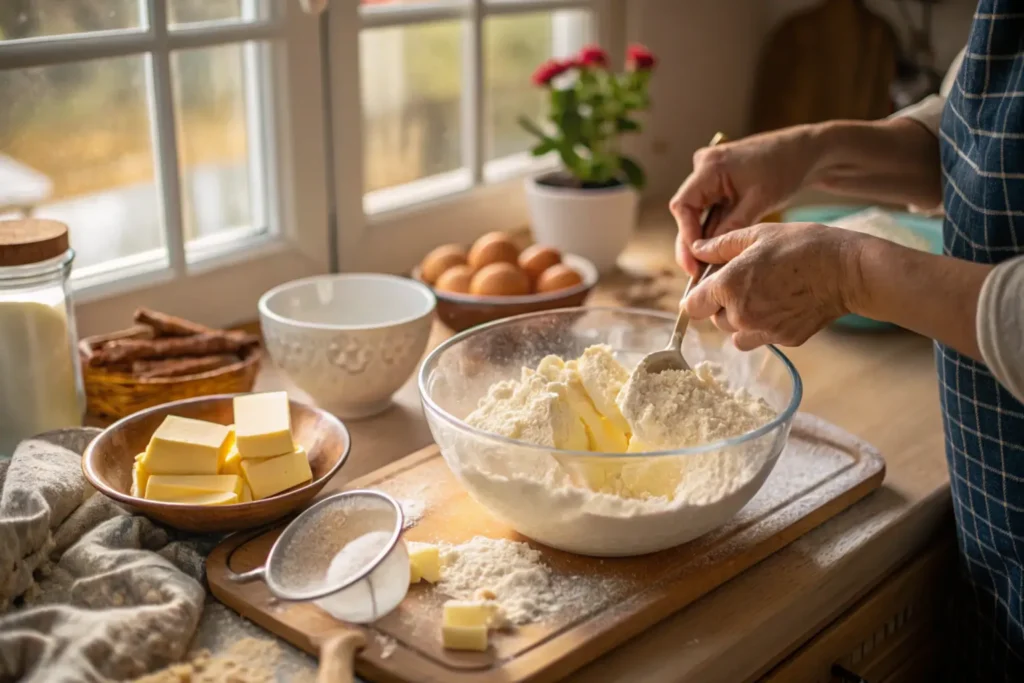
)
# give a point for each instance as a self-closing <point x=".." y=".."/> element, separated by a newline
<point x="494" y="278"/>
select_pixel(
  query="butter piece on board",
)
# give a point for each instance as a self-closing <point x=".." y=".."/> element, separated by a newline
<point x="424" y="562"/>
<point x="212" y="498"/>
<point x="464" y="637"/>
<point x="269" y="476"/>
<point x="174" y="487"/>
<point x="181" y="445"/>
<point x="263" y="425"/>
<point x="470" y="613"/>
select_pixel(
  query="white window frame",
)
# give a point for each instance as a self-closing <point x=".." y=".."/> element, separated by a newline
<point x="218" y="279"/>
<point x="402" y="225"/>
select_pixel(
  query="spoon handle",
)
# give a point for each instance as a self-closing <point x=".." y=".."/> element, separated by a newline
<point x="703" y="271"/>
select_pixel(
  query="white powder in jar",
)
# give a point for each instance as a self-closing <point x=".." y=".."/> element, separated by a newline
<point x="39" y="387"/>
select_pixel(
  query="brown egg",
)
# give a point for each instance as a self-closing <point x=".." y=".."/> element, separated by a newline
<point x="456" y="280"/>
<point x="500" y="279"/>
<point x="538" y="258"/>
<point x="559" y="276"/>
<point x="494" y="247"/>
<point x="439" y="260"/>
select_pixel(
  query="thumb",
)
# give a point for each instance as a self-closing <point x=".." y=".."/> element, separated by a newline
<point x="724" y="248"/>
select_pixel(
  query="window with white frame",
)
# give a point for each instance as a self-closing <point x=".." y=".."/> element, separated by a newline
<point x="186" y="145"/>
<point x="161" y="132"/>
<point x="435" y="152"/>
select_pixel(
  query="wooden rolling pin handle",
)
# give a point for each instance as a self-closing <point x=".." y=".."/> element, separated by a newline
<point x="337" y="657"/>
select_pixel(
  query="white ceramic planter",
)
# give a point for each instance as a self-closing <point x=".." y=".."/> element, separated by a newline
<point x="596" y="224"/>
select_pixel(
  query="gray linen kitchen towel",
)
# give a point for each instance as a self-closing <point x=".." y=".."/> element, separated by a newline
<point x="88" y="591"/>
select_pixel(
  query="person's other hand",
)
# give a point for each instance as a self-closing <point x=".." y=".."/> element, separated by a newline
<point x="749" y="177"/>
<point x="780" y="284"/>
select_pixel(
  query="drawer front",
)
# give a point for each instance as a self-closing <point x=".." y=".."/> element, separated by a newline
<point x="893" y="635"/>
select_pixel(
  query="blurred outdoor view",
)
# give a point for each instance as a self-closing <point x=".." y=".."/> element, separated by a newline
<point x="76" y="140"/>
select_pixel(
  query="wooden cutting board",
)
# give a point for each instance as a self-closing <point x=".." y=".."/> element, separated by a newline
<point x="822" y="471"/>
<point x="835" y="60"/>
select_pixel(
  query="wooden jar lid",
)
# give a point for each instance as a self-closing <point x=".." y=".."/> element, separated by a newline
<point x="31" y="240"/>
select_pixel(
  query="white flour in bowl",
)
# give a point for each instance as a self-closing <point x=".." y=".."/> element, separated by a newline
<point x="607" y="505"/>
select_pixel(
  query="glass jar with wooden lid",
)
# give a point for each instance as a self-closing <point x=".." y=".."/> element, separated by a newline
<point x="40" y="377"/>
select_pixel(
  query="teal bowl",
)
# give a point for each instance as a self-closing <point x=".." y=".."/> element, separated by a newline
<point x="928" y="228"/>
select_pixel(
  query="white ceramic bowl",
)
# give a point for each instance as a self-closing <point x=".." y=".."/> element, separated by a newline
<point x="350" y="340"/>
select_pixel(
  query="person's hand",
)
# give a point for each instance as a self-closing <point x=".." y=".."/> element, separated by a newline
<point x="781" y="282"/>
<point x="750" y="177"/>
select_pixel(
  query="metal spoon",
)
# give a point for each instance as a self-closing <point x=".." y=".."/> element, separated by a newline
<point x="671" y="358"/>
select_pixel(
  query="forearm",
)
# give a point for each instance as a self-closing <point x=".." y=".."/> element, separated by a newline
<point x="936" y="296"/>
<point x="892" y="161"/>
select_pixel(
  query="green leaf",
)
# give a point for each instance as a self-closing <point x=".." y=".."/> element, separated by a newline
<point x="623" y="125"/>
<point x="634" y="174"/>
<point x="545" y="146"/>
<point x="532" y="128"/>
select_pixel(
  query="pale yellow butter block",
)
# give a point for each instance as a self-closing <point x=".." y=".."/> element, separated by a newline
<point x="172" y="487"/>
<point x="246" y="493"/>
<point x="139" y="477"/>
<point x="211" y="498"/>
<point x="464" y="637"/>
<point x="414" y="574"/>
<point x="181" y="445"/>
<point x="263" y="425"/>
<point x="269" y="476"/>
<point x="229" y="448"/>
<point x="424" y="561"/>
<point x="470" y="613"/>
<point x="232" y="462"/>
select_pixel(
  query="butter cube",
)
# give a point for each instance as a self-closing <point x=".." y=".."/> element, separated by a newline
<point x="424" y="562"/>
<point x="471" y="613"/>
<point x="184" y="446"/>
<point x="269" y="476"/>
<point x="171" y="487"/>
<point x="464" y="637"/>
<point x="246" y="494"/>
<point x="229" y="447"/>
<point x="263" y="425"/>
<point x="139" y="477"/>
<point x="211" y="498"/>
<point x="232" y="462"/>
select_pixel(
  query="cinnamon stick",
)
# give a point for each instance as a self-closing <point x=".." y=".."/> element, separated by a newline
<point x="169" y="325"/>
<point x="177" y="367"/>
<point x="130" y="350"/>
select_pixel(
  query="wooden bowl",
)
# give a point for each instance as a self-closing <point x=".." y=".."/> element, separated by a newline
<point x="110" y="393"/>
<point x="108" y="462"/>
<point x="462" y="311"/>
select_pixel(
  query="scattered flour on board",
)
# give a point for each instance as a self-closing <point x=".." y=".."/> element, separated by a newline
<point x="523" y="586"/>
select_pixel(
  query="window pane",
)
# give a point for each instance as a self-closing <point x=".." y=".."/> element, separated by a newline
<point x="411" y="81"/>
<point x="195" y="11"/>
<point x="38" y="18"/>
<point x="513" y="47"/>
<point x="76" y="139"/>
<point x="213" y="139"/>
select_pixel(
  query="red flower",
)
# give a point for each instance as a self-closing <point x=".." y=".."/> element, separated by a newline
<point x="592" y="55"/>
<point x="639" y="58"/>
<point x="550" y="70"/>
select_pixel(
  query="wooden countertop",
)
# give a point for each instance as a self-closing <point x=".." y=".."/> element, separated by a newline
<point x="881" y="386"/>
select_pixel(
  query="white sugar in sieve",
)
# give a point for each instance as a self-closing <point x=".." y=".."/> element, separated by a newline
<point x="345" y="553"/>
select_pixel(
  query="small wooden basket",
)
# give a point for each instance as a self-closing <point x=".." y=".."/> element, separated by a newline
<point x="113" y="394"/>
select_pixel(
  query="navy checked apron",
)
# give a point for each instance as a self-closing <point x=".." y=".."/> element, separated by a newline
<point x="982" y="145"/>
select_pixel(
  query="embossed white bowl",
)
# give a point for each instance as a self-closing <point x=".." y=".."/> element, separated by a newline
<point x="350" y="340"/>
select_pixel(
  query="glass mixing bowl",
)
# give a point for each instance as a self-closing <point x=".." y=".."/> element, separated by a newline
<point x="597" y="503"/>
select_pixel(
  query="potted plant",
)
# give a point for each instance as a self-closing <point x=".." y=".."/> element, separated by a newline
<point x="589" y="206"/>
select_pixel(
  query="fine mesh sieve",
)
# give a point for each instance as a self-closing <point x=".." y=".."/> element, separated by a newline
<point x="345" y="553"/>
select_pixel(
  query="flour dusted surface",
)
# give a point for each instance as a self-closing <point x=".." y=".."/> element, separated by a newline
<point x="523" y="586"/>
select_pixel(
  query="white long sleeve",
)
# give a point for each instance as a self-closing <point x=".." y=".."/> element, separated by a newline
<point x="1000" y="324"/>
